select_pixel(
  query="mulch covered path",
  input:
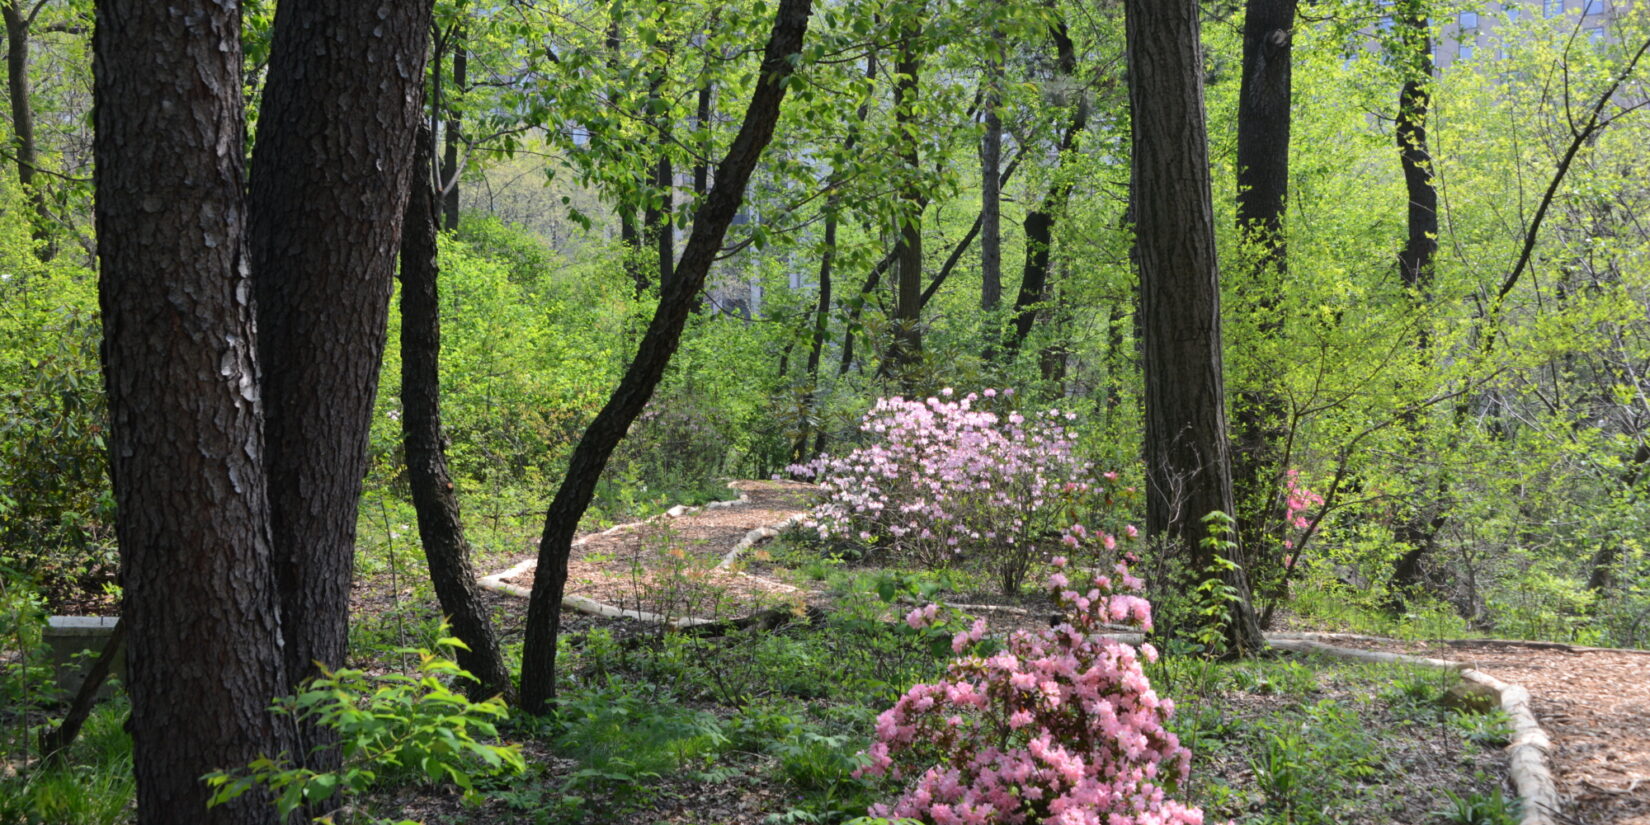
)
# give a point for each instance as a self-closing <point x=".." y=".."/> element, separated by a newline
<point x="667" y="566"/>
<point x="1594" y="704"/>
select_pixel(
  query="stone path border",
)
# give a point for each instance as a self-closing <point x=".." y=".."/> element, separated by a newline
<point x="582" y="604"/>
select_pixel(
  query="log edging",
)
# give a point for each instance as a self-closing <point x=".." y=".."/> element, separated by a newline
<point x="590" y="607"/>
<point x="1526" y="752"/>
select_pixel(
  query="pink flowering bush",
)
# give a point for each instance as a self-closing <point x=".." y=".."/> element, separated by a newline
<point x="1061" y="726"/>
<point x="947" y="479"/>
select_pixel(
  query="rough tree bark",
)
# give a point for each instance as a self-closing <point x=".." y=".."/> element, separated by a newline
<point x="659" y="342"/>
<point x="1262" y="188"/>
<point x="1188" y="464"/>
<point x="199" y="604"/>
<point x="330" y="176"/>
<point x="440" y="526"/>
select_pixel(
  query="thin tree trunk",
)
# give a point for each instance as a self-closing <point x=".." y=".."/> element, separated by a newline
<point x="659" y="342"/>
<point x="701" y="121"/>
<point x="440" y="526"/>
<point x="1039" y="222"/>
<point x="1415" y="530"/>
<point x="199" y="599"/>
<point x="1262" y="187"/>
<point x="906" y="351"/>
<point x="665" y="230"/>
<point x="20" y="90"/>
<point x="330" y="175"/>
<point x="822" y="307"/>
<point x="991" y="154"/>
<point x="1188" y="464"/>
<point x="453" y="134"/>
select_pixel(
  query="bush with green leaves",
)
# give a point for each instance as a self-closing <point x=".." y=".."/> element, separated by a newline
<point x="391" y="728"/>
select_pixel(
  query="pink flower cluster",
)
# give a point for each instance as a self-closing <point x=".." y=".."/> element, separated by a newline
<point x="946" y="478"/>
<point x="1297" y="499"/>
<point x="1059" y="727"/>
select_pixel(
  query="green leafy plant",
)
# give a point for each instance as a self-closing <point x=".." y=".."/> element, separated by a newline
<point x="1481" y="809"/>
<point x="392" y="728"/>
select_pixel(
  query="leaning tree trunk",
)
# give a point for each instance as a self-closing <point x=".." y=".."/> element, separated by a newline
<point x="1188" y="466"/>
<point x="199" y="600"/>
<point x="659" y="342"/>
<point x="439" y="524"/>
<point x="330" y="176"/>
<point x="1262" y="188"/>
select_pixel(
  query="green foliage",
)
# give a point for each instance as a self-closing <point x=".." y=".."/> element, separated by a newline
<point x="392" y="729"/>
<point x="1481" y="808"/>
<point x="93" y="784"/>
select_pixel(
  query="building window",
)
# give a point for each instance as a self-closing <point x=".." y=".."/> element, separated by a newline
<point x="1553" y="8"/>
<point x="1595" y="6"/>
<point x="1596" y="36"/>
<point x="1468" y="24"/>
<point x="1512" y="11"/>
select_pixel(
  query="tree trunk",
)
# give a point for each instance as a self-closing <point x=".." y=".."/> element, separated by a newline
<point x="822" y="308"/>
<point x="1188" y="466"/>
<point x="701" y="121"/>
<point x="453" y="134"/>
<point x="439" y="525"/>
<point x="907" y="344"/>
<point x="991" y="156"/>
<point x="20" y="90"/>
<point x="1039" y="222"/>
<point x="199" y="601"/>
<point x="665" y="231"/>
<point x="330" y="176"/>
<point x="1262" y="189"/>
<point x="1414" y="529"/>
<point x="659" y="342"/>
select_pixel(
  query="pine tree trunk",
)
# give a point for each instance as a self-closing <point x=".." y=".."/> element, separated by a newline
<point x="1188" y="464"/>
<point x="440" y="526"/>
<point x="453" y="134"/>
<point x="659" y="342"/>
<point x="199" y="602"/>
<point x="330" y="176"/>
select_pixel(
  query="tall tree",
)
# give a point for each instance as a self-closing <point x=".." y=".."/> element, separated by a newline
<point x="1040" y="220"/>
<point x="453" y="133"/>
<point x="658" y="344"/>
<point x="1188" y="463"/>
<point x="440" y="526"/>
<point x="199" y="600"/>
<point x="1416" y="529"/>
<point x="1262" y="188"/>
<point x="991" y="161"/>
<point x="907" y="344"/>
<point x="19" y="19"/>
<point x="330" y="176"/>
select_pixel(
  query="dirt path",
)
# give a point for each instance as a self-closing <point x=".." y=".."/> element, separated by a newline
<point x="1595" y="704"/>
<point x="667" y="566"/>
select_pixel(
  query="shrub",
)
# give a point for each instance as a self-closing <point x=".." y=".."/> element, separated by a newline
<point x="390" y="728"/>
<point x="945" y="480"/>
<point x="1059" y="727"/>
